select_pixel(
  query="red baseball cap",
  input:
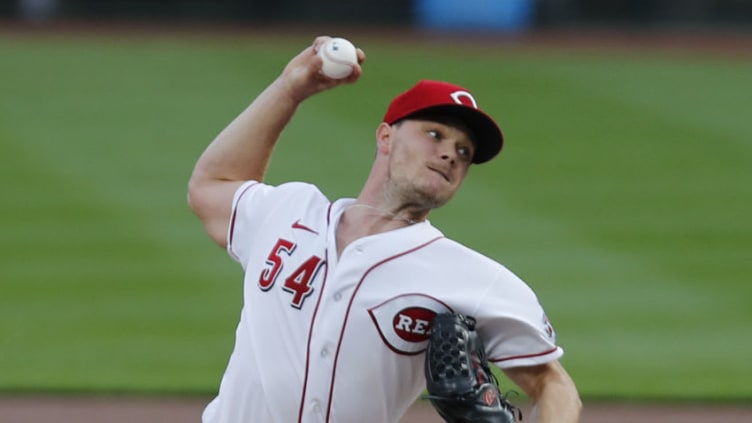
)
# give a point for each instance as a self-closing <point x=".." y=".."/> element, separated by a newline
<point x="449" y="99"/>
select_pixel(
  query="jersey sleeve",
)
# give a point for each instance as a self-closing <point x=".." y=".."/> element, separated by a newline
<point x="247" y="207"/>
<point x="258" y="208"/>
<point x="514" y="325"/>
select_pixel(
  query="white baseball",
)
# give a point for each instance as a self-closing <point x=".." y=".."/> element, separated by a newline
<point x="338" y="56"/>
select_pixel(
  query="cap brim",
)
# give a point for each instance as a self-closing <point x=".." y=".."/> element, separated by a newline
<point x="486" y="134"/>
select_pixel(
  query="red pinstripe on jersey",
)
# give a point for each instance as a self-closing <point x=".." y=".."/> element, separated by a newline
<point x="232" y="221"/>
<point x="349" y="307"/>
<point x="515" y="357"/>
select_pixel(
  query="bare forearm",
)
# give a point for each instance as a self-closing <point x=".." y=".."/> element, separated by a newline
<point x="243" y="149"/>
<point x="239" y="153"/>
<point x="552" y="390"/>
<point x="558" y="403"/>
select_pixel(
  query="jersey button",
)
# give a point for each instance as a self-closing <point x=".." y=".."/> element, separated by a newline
<point x="324" y="352"/>
<point x="359" y="249"/>
<point x="316" y="406"/>
<point x="337" y="296"/>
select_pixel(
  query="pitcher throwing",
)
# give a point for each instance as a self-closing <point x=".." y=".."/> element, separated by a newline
<point x="339" y="296"/>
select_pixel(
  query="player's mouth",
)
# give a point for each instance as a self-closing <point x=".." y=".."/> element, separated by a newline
<point x="443" y="174"/>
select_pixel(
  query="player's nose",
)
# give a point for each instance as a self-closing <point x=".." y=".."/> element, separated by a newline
<point x="448" y="153"/>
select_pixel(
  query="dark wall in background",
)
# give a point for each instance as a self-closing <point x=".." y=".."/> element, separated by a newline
<point x="644" y="12"/>
<point x="262" y="11"/>
<point x="547" y="13"/>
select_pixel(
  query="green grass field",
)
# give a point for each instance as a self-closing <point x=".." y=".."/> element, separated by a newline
<point x="623" y="196"/>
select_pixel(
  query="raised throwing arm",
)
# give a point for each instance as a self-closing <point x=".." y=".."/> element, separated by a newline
<point x="242" y="150"/>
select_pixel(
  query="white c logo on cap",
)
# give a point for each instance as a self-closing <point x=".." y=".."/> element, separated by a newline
<point x="457" y="97"/>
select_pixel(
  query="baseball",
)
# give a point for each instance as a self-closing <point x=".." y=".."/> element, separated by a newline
<point x="338" y="55"/>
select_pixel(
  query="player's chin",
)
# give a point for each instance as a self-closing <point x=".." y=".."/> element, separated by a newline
<point x="442" y="190"/>
<point x="435" y="197"/>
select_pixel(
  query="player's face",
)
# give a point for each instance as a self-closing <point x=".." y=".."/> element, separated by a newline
<point x="429" y="160"/>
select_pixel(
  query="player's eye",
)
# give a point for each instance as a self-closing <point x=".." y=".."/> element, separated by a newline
<point x="465" y="152"/>
<point x="434" y="134"/>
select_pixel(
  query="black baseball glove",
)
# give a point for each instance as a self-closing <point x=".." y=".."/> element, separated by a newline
<point x="460" y="384"/>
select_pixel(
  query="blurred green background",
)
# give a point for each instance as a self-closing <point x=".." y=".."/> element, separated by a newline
<point x="622" y="196"/>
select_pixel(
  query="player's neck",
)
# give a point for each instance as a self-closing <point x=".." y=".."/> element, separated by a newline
<point x="382" y="213"/>
<point x="361" y="219"/>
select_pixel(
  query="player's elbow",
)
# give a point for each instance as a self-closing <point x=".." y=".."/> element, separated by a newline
<point x="196" y="195"/>
<point x="200" y="194"/>
<point x="211" y="201"/>
<point x="193" y="196"/>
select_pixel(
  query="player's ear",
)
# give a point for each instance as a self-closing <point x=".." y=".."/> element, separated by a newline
<point x="384" y="138"/>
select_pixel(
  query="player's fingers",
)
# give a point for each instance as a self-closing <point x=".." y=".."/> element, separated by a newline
<point x="319" y="41"/>
<point x="304" y="71"/>
<point x="357" y="68"/>
<point x="354" y="76"/>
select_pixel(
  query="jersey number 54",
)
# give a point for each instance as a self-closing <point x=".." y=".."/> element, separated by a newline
<point x="299" y="282"/>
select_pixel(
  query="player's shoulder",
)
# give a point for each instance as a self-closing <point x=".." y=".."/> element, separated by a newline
<point x="294" y="190"/>
<point x="299" y="188"/>
<point x="255" y="199"/>
<point x="473" y="260"/>
<point x="465" y="253"/>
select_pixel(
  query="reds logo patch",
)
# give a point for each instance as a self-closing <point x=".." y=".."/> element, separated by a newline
<point x="404" y="322"/>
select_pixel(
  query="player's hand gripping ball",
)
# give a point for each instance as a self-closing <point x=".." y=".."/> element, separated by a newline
<point x="338" y="56"/>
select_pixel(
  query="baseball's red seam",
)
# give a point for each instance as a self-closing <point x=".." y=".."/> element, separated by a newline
<point x="334" y="59"/>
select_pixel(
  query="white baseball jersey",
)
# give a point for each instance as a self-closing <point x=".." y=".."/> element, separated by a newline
<point x="323" y="338"/>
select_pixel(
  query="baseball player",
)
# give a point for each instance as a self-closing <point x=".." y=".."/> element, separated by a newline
<point x="338" y="296"/>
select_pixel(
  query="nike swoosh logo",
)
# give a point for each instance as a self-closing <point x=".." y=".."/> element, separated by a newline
<point x="298" y="225"/>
